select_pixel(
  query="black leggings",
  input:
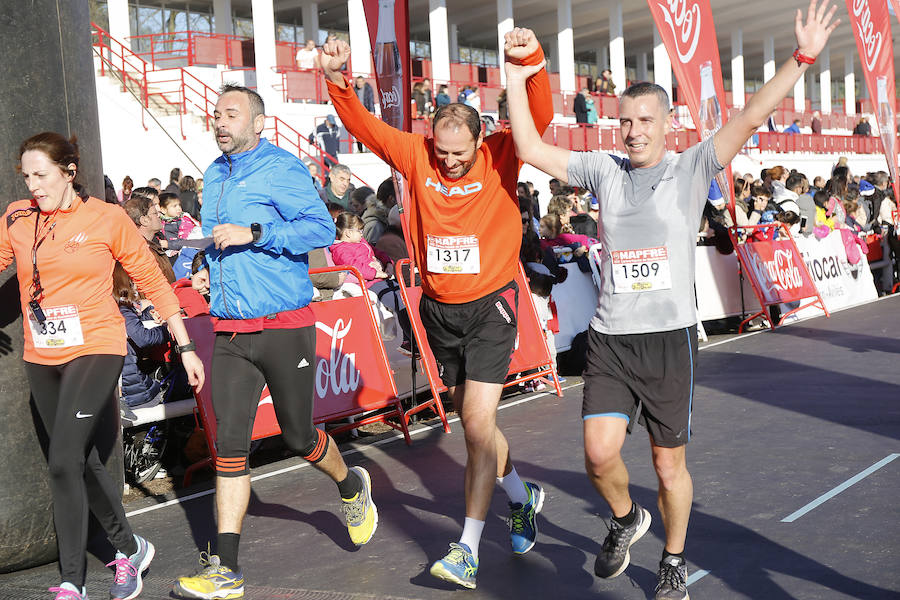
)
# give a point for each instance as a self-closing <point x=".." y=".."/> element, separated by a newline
<point x="242" y="364"/>
<point x="78" y="407"/>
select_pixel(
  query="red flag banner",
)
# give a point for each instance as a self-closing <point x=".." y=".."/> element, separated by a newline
<point x="872" y="29"/>
<point x="688" y="31"/>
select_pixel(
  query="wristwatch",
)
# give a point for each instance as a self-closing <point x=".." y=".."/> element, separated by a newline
<point x="256" y="230"/>
<point x="189" y="347"/>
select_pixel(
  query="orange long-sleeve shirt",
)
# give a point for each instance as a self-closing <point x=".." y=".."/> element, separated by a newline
<point x="475" y="217"/>
<point x="75" y="262"/>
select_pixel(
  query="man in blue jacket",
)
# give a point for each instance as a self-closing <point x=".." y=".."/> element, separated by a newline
<point x="264" y="215"/>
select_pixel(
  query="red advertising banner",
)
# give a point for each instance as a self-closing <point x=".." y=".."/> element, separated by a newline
<point x="895" y="4"/>
<point x="871" y="26"/>
<point x="688" y="31"/>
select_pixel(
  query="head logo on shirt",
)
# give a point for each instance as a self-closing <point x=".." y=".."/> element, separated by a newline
<point x="74" y="243"/>
<point x="457" y="190"/>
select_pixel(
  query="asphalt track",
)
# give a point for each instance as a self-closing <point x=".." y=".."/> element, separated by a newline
<point x="795" y="436"/>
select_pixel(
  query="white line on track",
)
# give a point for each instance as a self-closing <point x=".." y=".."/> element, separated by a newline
<point x="388" y="440"/>
<point x="834" y="492"/>
<point x="696" y="576"/>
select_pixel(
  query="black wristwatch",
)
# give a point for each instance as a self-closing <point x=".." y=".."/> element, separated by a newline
<point x="256" y="230"/>
<point x="189" y="347"/>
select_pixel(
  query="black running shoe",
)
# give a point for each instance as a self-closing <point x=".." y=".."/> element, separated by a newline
<point x="614" y="555"/>
<point x="671" y="581"/>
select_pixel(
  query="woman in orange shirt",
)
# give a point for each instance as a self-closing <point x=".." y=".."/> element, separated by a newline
<point x="65" y="244"/>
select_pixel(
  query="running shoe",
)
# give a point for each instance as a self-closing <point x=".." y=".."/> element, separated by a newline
<point x="360" y="511"/>
<point x="215" y="581"/>
<point x="67" y="591"/>
<point x="523" y="519"/>
<point x="459" y="566"/>
<point x="127" y="583"/>
<point x="614" y="555"/>
<point x="671" y="581"/>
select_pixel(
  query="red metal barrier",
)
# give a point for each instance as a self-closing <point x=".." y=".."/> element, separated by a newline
<point x="530" y="353"/>
<point x="352" y="374"/>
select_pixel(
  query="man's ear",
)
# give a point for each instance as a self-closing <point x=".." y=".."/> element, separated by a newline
<point x="259" y="123"/>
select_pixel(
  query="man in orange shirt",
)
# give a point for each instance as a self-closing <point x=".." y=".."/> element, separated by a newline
<point x="465" y="229"/>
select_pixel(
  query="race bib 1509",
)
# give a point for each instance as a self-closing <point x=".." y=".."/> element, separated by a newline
<point x="641" y="270"/>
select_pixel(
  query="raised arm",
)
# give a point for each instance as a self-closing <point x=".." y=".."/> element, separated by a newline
<point x="530" y="148"/>
<point x="812" y="36"/>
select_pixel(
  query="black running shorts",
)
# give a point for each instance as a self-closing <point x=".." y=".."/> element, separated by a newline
<point x="473" y="340"/>
<point x="649" y="376"/>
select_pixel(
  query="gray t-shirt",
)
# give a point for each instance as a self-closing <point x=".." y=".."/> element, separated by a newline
<point x="648" y="226"/>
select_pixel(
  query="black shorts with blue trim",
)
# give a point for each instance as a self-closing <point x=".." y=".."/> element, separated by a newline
<point x="644" y="376"/>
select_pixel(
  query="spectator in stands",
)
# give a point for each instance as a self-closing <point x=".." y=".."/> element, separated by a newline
<point x="761" y="195"/>
<point x="770" y="123"/>
<point x="308" y="56"/>
<point x="125" y="193"/>
<point x="816" y="123"/>
<point x="474" y="98"/>
<point x="189" y="199"/>
<point x="793" y="128"/>
<point x="139" y="388"/>
<point x="554" y="186"/>
<point x="338" y="188"/>
<point x="155" y="183"/>
<point x="855" y="215"/>
<point x="817" y="184"/>
<point x="502" y="110"/>
<point x="775" y="178"/>
<point x="428" y="90"/>
<point x="352" y="250"/>
<point x="794" y="190"/>
<point x="567" y="247"/>
<point x="870" y="202"/>
<point x="463" y="94"/>
<point x="579" y="105"/>
<point x="375" y="216"/>
<point x="418" y="97"/>
<point x="313" y="169"/>
<point x="561" y="206"/>
<point x="442" y="98"/>
<point x="327" y="139"/>
<point x="585" y="223"/>
<point x="863" y="128"/>
<point x="174" y="181"/>
<point x="366" y="96"/>
<point x="715" y="222"/>
<point x="109" y="190"/>
<point x="359" y="198"/>
<point x="200" y="275"/>
<point x="142" y="212"/>
<point x="324" y="284"/>
<point x="604" y="84"/>
<point x="391" y="242"/>
<point x="177" y="225"/>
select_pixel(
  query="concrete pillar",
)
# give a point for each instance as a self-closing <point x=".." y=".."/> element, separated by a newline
<point x="311" y="22"/>
<point x="454" y="42"/>
<point x="737" y="68"/>
<point x="849" y="85"/>
<point x="566" y="43"/>
<point x="768" y="58"/>
<point x="642" y="69"/>
<point x="616" y="45"/>
<point x="504" y="23"/>
<point x="800" y="94"/>
<point x="360" y="48"/>
<point x="264" y="50"/>
<point x="222" y="17"/>
<point x="662" y="66"/>
<point x="602" y="58"/>
<point x="119" y="23"/>
<point x="440" y="42"/>
<point x="824" y="60"/>
<point x="49" y="38"/>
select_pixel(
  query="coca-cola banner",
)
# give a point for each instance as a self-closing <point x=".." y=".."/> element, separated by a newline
<point x="871" y="26"/>
<point x="687" y="29"/>
<point x="388" y="22"/>
<point x="778" y="269"/>
<point x="895" y="4"/>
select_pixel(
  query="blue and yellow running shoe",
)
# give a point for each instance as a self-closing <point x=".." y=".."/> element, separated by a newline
<point x="459" y="566"/>
<point x="523" y="519"/>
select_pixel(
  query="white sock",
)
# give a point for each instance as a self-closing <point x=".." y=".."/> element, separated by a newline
<point x="514" y="487"/>
<point x="471" y="535"/>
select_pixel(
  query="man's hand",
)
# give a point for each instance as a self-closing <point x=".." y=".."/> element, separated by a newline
<point x="231" y="235"/>
<point x="519" y="43"/>
<point x="193" y="366"/>
<point x="518" y="73"/>
<point x="335" y="54"/>
<point x="813" y="35"/>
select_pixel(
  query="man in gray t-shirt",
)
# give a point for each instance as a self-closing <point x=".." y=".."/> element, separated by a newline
<point x="642" y="345"/>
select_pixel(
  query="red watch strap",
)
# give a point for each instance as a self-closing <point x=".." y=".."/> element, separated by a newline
<point x="802" y="58"/>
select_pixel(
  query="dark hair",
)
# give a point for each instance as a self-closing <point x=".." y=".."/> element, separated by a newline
<point x="137" y="206"/>
<point x="386" y="190"/>
<point x="361" y="194"/>
<point x="61" y="151"/>
<point x="739" y="184"/>
<point x="145" y="192"/>
<point x="795" y="180"/>
<point x="123" y="288"/>
<point x="174" y="175"/>
<point x="878" y="178"/>
<point x="647" y="89"/>
<point x="552" y="222"/>
<point x="197" y="262"/>
<point x="837" y="186"/>
<point x="760" y="189"/>
<point x="188" y="184"/>
<point x="347" y="220"/>
<point x="257" y="106"/>
<point x="167" y="198"/>
<point x="128" y="180"/>
<point x="458" y="115"/>
<point x="820" y="198"/>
